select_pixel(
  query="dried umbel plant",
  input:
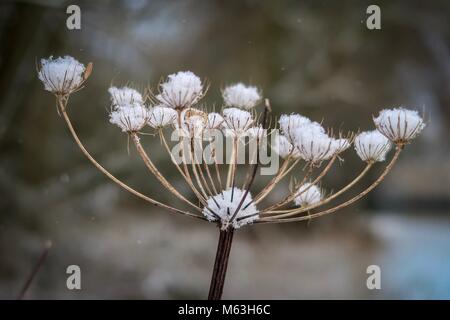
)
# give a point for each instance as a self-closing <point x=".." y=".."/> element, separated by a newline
<point x="219" y="194"/>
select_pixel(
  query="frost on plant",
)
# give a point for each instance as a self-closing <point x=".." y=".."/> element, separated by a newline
<point x="308" y="194"/>
<point x="372" y="146"/>
<point x="400" y="125"/>
<point x="123" y="97"/>
<point x="181" y="90"/>
<point x="300" y="140"/>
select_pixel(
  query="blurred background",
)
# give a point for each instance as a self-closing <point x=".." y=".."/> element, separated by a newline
<point x="312" y="57"/>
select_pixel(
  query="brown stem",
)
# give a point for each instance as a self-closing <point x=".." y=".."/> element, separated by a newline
<point x="220" y="264"/>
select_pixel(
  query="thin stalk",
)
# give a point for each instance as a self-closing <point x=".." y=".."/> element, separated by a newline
<point x="201" y="198"/>
<point x="221" y="264"/>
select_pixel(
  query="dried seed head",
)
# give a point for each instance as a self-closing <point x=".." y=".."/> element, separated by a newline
<point x="215" y="121"/>
<point x="289" y="123"/>
<point x="399" y="125"/>
<point x="314" y="145"/>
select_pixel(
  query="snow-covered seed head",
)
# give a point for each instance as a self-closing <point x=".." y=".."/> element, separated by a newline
<point x="340" y="145"/>
<point x="313" y="144"/>
<point x="241" y="96"/>
<point x="181" y="90"/>
<point x="399" y="125"/>
<point x="237" y="121"/>
<point x="257" y="133"/>
<point x="308" y="194"/>
<point x="372" y="146"/>
<point x="289" y="123"/>
<point x="62" y="76"/>
<point x="193" y="123"/>
<point x="284" y="148"/>
<point x="222" y="207"/>
<point x="160" y="117"/>
<point x="215" y="120"/>
<point x="130" y="118"/>
<point x="125" y="96"/>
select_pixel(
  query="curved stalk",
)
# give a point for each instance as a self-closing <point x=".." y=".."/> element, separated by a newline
<point x="194" y="169"/>
<point x="294" y="194"/>
<point x="185" y="167"/>
<point x="220" y="264"/>
<point x="284" y="170"/>
<point x="208" y="172"/>
<point x="186" y="178"/>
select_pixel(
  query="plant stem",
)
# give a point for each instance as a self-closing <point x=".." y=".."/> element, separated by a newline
<point x="221" y="264"/>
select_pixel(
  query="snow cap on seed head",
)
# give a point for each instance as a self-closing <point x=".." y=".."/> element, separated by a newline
<point x="314" y="145"/>
<point x="215" y="120"/>
<point x="372" y="146"/>
<point x="241" y="96"/>
<point x="161" y="116"/>
<point x="62" y="75"/>
<point x="399" y="125"/>
<point x="130" y="118"/>
<point x="125" y="96"/>
<point x="237" y="121"/>
<point x="181" y="90"/>
<point x="308" y="194"/>
<point x="284" y="148"/>
<point x="257" y="133"/>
